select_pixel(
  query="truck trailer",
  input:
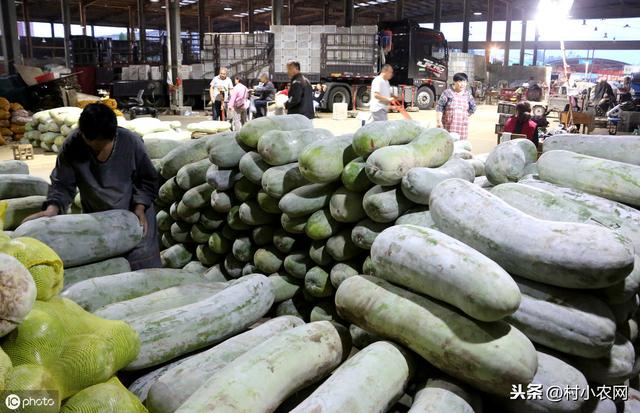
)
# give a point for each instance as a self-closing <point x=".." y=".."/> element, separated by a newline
<point x="344" y="59"/>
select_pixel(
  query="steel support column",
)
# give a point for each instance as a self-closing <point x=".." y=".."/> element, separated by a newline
<point x="523" y="37"/>
<point x="535" y="47"/>
<point x="174" y="42"/>
<point x="465" y="25"/>
<point x="437" y="14"/>
<point x="507" y="34"/>
<point x="10" y="41"/>
<point x="142" y="27"/>
<point x="348" y="13"/>
<point x="202" y="20"/>
<point x="399" y="9"/>
<point x="290" y="5"/>
<point x="81" y="10"/>
<point x="131" y="34"/>
<point x="487" y="48"/>
<point x="66" y="26"/>
<point x="325" y="12"/>
<point x="27" y="27"/>
<point x="250" y="17"/>
<point x="276" y="12"/>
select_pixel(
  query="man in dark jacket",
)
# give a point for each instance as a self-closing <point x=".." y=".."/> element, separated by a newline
<point x="264" y="93"/>
<point x="110" y="167"/>
<point x="300" y="92"/>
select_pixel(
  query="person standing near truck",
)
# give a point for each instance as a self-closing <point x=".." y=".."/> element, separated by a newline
<point x="455" y="106"/>
<point x="381" y="94"/>
<point x="219" y="90"/>
<point x="300" y="93"/>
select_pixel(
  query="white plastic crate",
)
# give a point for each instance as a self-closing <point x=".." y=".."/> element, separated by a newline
<point x="340" y="111"/>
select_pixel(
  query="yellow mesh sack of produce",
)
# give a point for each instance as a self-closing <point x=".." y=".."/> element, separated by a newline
<point x="42" y="262"/>
<point x="4" y="104"/>
<point x="15" y="106"/>
<point x="109" y="397"/>
<point x="5" y="367"/>
<point x="38" y="381"/>
<point x="112" y="103"/>
<point x="4" y="114"/>
<point x="6" y="132"/>
<point x="17" y="129"/>
<point x="17" y="293"/>
<point x="77" y="348"/>
<point x="3" y="214"/>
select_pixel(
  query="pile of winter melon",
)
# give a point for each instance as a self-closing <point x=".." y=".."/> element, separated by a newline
<point x="293" y="202"/>
<point x="21" y="193"/>
<point x="494" y="283"/>
<point x="375" y="272"/>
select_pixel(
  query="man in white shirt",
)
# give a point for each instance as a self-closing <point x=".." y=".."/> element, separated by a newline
<point x="381" y="94"/>
<point x="219" y="90"/>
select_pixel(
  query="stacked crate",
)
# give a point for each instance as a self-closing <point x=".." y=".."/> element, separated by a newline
<point x="461" y="63"/>
<point x="304" y="44"/>
<point x="505" y="111"/>
<point x="301" y="43"/>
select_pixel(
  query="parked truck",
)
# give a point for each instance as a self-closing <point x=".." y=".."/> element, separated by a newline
<point x="343" y="59"/>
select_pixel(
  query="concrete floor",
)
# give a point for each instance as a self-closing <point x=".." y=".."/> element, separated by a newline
<point x="481" y="134"/>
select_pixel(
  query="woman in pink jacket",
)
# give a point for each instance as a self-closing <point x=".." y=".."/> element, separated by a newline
<point x="238" y="104"/>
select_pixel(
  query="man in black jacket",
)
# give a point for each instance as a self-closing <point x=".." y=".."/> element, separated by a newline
<point x="300" y="92"/>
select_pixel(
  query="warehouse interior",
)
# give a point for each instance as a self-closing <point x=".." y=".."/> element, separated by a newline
<point x="168" y="51"/>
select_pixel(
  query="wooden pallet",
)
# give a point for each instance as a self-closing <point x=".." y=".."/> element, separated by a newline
<point x="22" y="151"/>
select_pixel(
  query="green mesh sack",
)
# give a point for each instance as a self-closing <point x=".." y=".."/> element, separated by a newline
<point x="39" y="382"/>
<point x="42" y="262"/>
<point x="5" y="367"/>
<point x="3" y="212"/>
<point x="77" y="348"/>
<point x="109" y="397"/>
<point x="17" y="293"/>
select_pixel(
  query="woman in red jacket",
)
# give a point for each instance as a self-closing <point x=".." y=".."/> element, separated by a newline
<point x="521" y="123"/>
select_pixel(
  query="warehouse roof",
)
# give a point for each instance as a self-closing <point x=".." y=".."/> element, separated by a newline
<point x="225" y="14"/>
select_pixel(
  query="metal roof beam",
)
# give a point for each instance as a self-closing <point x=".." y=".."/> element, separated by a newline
<point x="553" y="45"/>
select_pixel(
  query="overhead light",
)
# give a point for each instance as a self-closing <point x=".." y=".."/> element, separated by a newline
<point x="227" y="8"/>
<point x="163" y="7"/>
<point x="373" y="3"/>
<point x="154" y="1"/>
<point x="477" y="13"/>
